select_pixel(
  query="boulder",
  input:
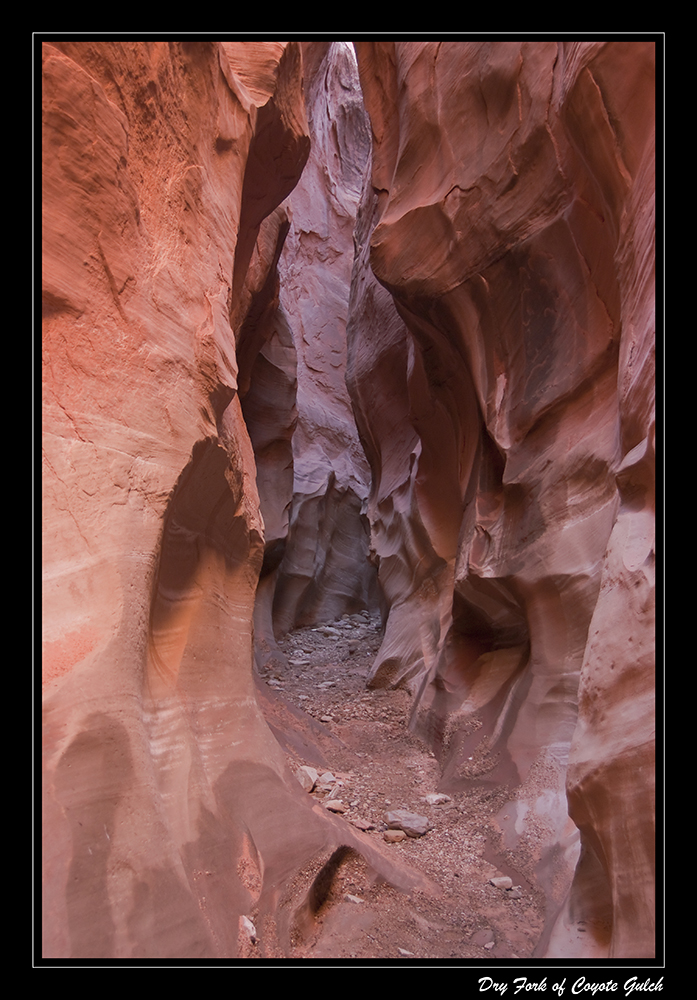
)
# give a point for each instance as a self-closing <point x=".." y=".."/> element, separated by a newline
<point x="411" y="823"/>
<point x="307" y="776"/>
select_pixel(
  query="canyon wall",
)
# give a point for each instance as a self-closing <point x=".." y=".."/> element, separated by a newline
<point x="169" y="812"/>
<point x="326" y="572"/>
<point x="312" y="473"/>
<point x="220" y="246"/>
<point x="501" y="365"/>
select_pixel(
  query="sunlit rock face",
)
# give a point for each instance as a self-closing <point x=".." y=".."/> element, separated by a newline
<point x="504" y="395"/>
<point x="169" y="811"/>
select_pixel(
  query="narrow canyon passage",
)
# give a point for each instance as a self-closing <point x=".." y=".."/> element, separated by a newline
<point x="349" y="475"/>
<point x="353" y="753"/>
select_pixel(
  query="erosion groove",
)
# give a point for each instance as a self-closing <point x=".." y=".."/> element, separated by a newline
<point x="348" y="500"/>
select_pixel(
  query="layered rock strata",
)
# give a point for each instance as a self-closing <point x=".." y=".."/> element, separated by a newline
<point x="504" y="394"/>
<point x="312" y="475"/>
<point x="325" y="571"/>
<point x="164" y="167"/>
<point x="203" y="479"/>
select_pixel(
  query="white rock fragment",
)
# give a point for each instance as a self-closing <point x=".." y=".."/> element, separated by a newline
<point x="336" y="806"/>
<point x="326" y="782"/>
<point x="248" y="928"/>
<point x="437" y="798"/>
<point x="307" y="776"/>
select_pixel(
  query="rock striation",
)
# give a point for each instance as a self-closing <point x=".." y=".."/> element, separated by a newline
<point x="312" y="475"/>
<point x="322" y="332"/>
<point x="165" y="169"/>
<point x="501" y="346"/>
<point x="325" y="572"/>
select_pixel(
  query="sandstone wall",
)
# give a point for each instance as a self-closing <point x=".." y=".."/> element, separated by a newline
<point x="325" y="572"/>
<point x="165" y="166"/>
<point x="205" y="483"/>
<point x="504" y="394"/>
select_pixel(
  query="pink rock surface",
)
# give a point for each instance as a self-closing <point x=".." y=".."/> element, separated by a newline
<point x="205" y="484"/>
<point x="325" y="572"/>
<point x="168" y="809"/>
<point x="507" y="417"/>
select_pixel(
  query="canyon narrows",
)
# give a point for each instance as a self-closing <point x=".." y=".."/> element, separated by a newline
<point x="348" y="372"/>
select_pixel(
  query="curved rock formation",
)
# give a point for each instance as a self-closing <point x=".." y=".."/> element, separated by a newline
<point x="163" y="166"/>
<point x="508" y="417"/>
<point x="219" y="247"/>
<point x="325" y="572"/>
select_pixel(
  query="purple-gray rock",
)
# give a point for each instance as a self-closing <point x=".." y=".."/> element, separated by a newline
<point x="412" y="824"/>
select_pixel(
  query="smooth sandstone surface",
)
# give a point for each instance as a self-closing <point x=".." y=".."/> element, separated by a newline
<point x="511" y="219"/>
<point x="163" y="784"/>
<point x="325" y="572"/>
<point x="286" y="376"/>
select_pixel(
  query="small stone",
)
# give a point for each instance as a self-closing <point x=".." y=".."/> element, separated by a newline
<point x="326" y="782"/>
<point x="514" y="893"/>
<point x="502" y="882"/>
<point x="336" y="806"/>
<point x="403" y="951"/>
<point x="489" y="945"/>
<point x="248" y="928"/>
<point x="394" y="836"/>
<point x="326" y="718"/>
<point x="363" y="824"/>
<point x="484" y="937"/>
<point x="412" y="824"/>
<point x="354" y="899"/>
<point x="307" y="776"/>
<point x="437" y="798"/>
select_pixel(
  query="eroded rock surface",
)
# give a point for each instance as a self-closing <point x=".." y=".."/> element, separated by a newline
<point x="507" y="418"/>
<point x="164" y="164"/>
<point x="325" y="572"/>
<point x="221" y="251"/>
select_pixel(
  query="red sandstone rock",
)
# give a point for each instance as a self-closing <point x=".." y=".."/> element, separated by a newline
<point x="513" y="225"/>
<point x="501" y="369"/>
<point x="169" y="811"/>
<point x="268" y="372"/>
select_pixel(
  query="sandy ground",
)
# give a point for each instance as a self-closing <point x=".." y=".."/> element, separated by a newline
<point x="378" y="766"/>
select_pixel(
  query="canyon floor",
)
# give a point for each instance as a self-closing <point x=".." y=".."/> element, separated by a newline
<point x="378" y="765"/>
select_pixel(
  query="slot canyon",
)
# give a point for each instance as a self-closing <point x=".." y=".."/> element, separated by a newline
<point x="348" y="475"/>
